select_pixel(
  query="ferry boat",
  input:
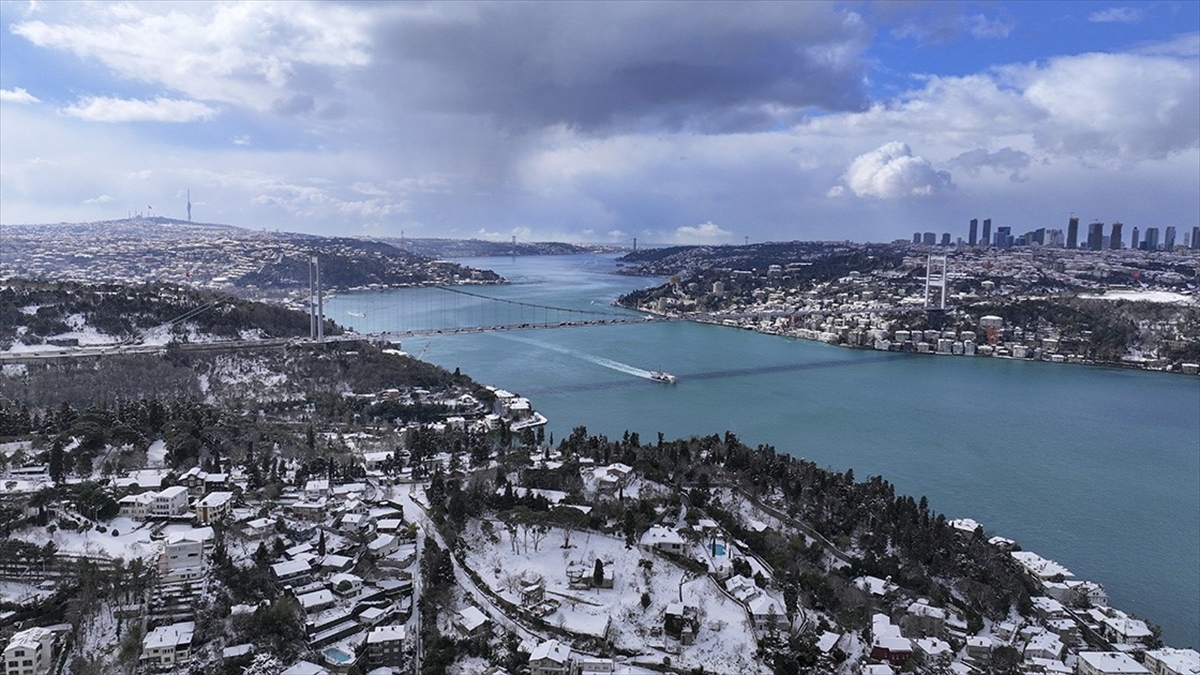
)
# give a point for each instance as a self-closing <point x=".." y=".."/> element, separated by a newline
<point x="661" y="376"/>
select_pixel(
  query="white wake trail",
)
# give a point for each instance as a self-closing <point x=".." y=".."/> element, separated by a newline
<point x="590" y="358"/>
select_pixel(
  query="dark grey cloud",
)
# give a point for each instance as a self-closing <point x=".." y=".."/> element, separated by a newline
<point x="709" y="66"/>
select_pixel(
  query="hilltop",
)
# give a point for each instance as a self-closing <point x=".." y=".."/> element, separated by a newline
<point x="222" y="257"/>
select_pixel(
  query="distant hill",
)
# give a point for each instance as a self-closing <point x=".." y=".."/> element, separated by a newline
<point x="233" y="259"/>
<point x="477" y="248"/>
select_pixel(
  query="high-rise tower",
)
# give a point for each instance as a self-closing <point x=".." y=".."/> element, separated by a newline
<point x="1095" y="240"/>
<point x="987" y="231"/>
<point x="1073" y="233"/>
<point x="1114" y="241"/>
<point x="973" y="232"/>
<point x="189" y="205"/>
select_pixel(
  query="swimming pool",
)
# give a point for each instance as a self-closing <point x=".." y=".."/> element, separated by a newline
<point x="337" y="656"/>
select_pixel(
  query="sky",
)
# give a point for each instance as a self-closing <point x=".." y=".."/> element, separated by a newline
<point x="671" y="122"/>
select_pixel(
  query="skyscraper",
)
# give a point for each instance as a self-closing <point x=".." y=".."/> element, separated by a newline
<point x="929" y="239"/>
<point x="1169" y="239"/>
<point x="1151" y="243"/>
<point x="945" y="239"/>
<point x="1073" y="233"/>
<point x="1196" y="238"/>
<point x="1114" y="241"/>
<point x="916" y="237"/>
<point x="1133" y="240"/>
<point x="973" y="232"/>
<point x="987" y="231"/>
<point x="1095" y="240"/>
<point x="1003" y="237"/>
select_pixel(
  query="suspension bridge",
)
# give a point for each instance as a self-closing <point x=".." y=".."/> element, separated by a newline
<point x="415" y="312"/>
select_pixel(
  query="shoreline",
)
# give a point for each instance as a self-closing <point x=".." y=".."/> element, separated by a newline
<point x="796" y="334"/>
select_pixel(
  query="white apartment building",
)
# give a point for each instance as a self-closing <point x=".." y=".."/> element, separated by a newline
<point x="29" y="652"/>
<point x="170" y="503"/>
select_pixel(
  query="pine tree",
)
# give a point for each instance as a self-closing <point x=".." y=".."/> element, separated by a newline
<point x="56" y="462"/>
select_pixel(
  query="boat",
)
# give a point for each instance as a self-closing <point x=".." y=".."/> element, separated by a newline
<point x="662" y="376"/>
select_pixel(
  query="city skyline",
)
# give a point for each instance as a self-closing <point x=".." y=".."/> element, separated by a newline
<point x="604" y="122"/>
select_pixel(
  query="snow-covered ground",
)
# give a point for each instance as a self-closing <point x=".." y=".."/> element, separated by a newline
<point x="1164" y="297"/>
<point x="725" y="642"/>
<point x="132" y="539"/>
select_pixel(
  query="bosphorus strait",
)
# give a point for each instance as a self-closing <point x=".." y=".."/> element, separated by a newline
<point x="1097" y="468"/>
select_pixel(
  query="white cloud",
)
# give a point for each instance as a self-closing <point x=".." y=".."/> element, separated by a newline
<point x="892" y="171"/>
<point x="246" y="54"/>
<point x="104" y="109"/>
<point x="242" y="139"/>
<point x="705" y="232"/>
<point x="835" y="191"/>
<point x="17" y="95"/>
<point x="983" y="28"/>
<point x="1117" y="15"/>
<point x="1122" y="107"/>
<point x="102" y="199"/>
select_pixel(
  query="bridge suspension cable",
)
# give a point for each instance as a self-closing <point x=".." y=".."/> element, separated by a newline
<point x="533" y="305"/>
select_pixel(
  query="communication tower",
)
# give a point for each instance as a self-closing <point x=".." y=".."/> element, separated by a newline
<point x="189" y="205"/>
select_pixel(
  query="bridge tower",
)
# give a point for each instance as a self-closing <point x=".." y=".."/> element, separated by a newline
<point x="316" y="304"/>
<point x="935" y="281"/>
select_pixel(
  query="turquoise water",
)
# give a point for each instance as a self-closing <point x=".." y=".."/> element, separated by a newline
<point x="1098" y="468"/>
<point x="337" y="656"/>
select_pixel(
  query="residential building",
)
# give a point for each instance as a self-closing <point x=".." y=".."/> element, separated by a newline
<point x="1126" y="630"/>
<point x="471" y="622"/>
<point x="29" y="652"/>
<point x="1073" y="233"/>
<point x="170" y="503"/>
<point x="1108" y="663"/>
<point x="663" y="539"/>
<point x="1133" y="239"/>
<point x="1173" y="661"/>
<point x="387" y="646"/>
<point x="214" y="506"/>
<point x="929" y="238"/>
<point x="184" y="554"/>
<point x="550" y="658"/>
<point x="987" y="232"/>
<point x="1169" y="238"/>
<point x="887" y="644"/>
<point x="1115" y="238"/>
<point x="972" y="232"/>
<point x="136" y="506"/>
<point x="168" y="647"/>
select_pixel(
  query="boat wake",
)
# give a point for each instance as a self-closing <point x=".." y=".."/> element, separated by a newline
<point x="590" y="358"/>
